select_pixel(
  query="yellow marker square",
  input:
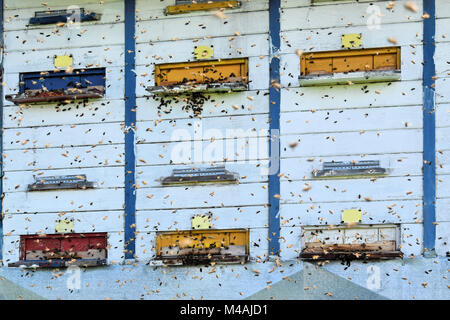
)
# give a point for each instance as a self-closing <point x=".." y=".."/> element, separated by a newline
<point x="203" y="52"/>
<point x="63" y="61"/>
<point x="200" y="222"/>
<point x="351" y="216"/>
<point x="351" y="40"/>
<point x="65" y="226"/>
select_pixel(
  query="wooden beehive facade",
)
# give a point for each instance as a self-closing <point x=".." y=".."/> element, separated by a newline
<point x="328" y="122"/>
<point x="351" y="121"/>
<point x="163" y="148"/>
<point x="62" y="138"/>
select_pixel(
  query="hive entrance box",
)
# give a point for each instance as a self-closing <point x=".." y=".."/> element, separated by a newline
<point x="201" y="76"/>
<point x="62" y="250"/>
<point x="200" y="176"/>
<point x="60" y="86"/>
<point x="350" y="66"/>
<point x="60" y="182"/>
<point x="63" y="16"/>
<point x="203" y="246"/>
<point x="350" y="241"/>
<point x="350" y="170"/>
<point x="329" y="1"/>
<point x="185" y="6"/>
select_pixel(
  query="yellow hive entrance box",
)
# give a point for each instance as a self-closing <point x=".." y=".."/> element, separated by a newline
<point x="188" y="6"/>
<point x="350" y="66"/>
<point x="198" y="246"/>
<point x="329" y="62"/>
<point x="217" y="71"/>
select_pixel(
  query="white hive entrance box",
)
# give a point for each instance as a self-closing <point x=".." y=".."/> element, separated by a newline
<point x="350" y="170"/>
<point x="350" y="241"/>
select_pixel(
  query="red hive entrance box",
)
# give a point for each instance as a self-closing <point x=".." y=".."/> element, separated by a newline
<point x="60" y="250"/>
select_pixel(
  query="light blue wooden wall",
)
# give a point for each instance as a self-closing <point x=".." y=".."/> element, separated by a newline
<point x="381" y="121"/>
<point x="241" y="33"/>
<point x="78" y="138"/>
<point x="351" y="122"/>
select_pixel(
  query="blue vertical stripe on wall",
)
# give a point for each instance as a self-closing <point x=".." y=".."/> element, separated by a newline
<point x="130" y="121"/>
<point x="1" y="135"/>
<point x="274" y="114"/>
<point x="429" y="127"/>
